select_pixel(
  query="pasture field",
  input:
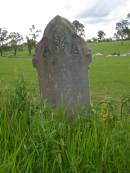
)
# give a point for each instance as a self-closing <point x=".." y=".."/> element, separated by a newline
<point x="110" y="47"/>
<point x="36" y="137"/>
<point x="109" y="76"/>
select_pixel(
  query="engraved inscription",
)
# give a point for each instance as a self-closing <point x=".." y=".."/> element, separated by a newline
<point x="59" y="41"/>
<point x="62" y="60"/>
<point x="74" y="49"/>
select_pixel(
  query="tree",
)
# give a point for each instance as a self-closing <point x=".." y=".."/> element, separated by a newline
<point x="30" y="44"/>
<point x="121" y="28"/>
<point x="101" y="34"/>
<point x="94" y="39"/>
<point x="128" y="18"/>
<point x="127" y="32"/>
<point x="32" y="38"/>
<point x="79" y="28"/>
<point x="116" y="36"/>
<point x="3" y="38"/>
<point x="128" y="15"/>
<point x="15" y="39"/>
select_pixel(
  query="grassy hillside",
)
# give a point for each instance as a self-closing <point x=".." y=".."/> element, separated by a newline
<point x="11" y="68"/>
<point x="38" y="138"/>
<point x="110" y="47"/>
<point x="109" y="76"/>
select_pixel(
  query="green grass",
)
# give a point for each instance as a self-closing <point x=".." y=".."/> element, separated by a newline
<point x="21" y="53"/>
<point x="11" y="68"/>
<point x="109" y="76"/>
<point x="110" y="47"/>
<point x="35" y="137"/>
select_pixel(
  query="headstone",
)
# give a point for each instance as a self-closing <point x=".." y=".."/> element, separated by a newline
<point x="62" y="60"/>
<point x="123" y="54"/>
<point x="109" y="55"/>
<point x="99" y="54"/>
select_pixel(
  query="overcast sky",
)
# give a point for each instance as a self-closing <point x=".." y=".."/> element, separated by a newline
<point x="19" y="15"/>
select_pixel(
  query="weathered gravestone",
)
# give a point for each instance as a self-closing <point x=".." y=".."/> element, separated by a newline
<point x="62" y="60"/>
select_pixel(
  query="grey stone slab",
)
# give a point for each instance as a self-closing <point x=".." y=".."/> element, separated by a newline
<point x="62" y="60"/>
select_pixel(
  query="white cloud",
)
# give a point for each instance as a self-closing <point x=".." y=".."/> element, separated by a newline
<point x="19" y="15"/>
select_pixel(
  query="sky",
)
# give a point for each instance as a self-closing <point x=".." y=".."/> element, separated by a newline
<point x="95" y="15"/>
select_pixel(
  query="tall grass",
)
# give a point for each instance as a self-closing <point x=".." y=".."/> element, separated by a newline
<point x="37" y="138"/>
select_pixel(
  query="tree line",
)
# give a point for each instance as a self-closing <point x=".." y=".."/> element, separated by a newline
<point x="14" y="40"/>
<point x="122" y="31"/>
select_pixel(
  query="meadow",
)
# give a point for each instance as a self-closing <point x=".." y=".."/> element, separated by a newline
<point x="110" y="47"/>
<point x="109" y="76"/>
<point x="36" y="137"/>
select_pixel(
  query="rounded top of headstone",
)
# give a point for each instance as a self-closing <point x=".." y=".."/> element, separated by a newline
<point x="58" y="22"/>
<point x="61" y="40"/>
